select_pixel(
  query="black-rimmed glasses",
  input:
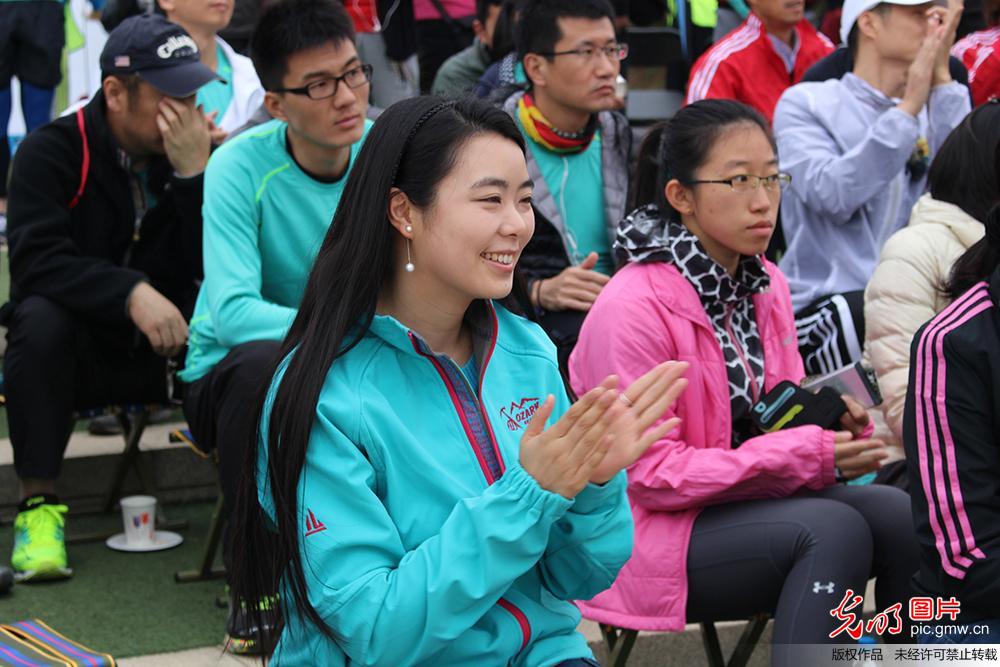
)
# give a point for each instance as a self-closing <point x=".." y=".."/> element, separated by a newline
<point x="319" y="90"/>
<point x="613" y="52"/>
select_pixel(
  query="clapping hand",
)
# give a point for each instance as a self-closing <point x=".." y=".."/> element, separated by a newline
<point x="602" y="433"/>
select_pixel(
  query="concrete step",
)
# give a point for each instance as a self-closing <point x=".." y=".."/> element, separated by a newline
<point x="90" y="463"/>
<point x="674" y="649"/>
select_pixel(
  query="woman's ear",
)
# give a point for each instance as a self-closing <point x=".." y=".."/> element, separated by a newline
<point x="679" y="196"/>
<point x="401" y="212"/>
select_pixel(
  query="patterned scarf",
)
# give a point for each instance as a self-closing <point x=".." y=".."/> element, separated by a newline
<point x="645" y="235"/>
<point x="542" y="132"/>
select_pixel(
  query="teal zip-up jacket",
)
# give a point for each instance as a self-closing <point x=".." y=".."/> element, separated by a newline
<point x="424" y="542"/>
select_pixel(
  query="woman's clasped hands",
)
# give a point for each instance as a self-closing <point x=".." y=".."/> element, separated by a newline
<point x="602" y="433"/>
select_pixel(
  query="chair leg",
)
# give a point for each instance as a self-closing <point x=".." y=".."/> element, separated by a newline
<point x="133" y="429"/>
<point x="710" y="639"/>
<point x="748" y="640"/>
<point x="206" y="569"/>
<point x="619" y="642"/>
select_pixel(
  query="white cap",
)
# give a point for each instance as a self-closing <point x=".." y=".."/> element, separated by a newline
<point x="855" y="8"/>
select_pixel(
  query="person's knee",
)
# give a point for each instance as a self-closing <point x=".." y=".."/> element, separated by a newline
<point x="40" y="326"/>
<point x="836" y="528"/>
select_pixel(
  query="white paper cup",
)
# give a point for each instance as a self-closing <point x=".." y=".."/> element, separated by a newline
<point x="139" y="515"/>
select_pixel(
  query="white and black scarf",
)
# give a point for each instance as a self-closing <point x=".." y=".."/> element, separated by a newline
<point x="645" y="235"/>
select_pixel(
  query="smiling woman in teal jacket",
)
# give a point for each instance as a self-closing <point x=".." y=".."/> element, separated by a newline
<point x="406" y="497"/>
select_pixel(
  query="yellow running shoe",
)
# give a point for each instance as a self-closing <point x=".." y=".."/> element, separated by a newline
<point x="39" y="545"/>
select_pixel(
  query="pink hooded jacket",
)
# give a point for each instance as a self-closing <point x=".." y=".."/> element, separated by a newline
<point x="647" y="314"/>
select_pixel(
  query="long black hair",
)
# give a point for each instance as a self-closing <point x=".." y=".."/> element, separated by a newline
<point x="676" y="148"/>
<point x="964" y="171"/>
<point x="978" y="262"/>
<point x="982" y="258"/>
<point x="413" y="146"/>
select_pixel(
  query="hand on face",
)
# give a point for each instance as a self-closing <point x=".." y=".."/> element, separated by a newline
<point x="186" y="135"/>
<point x="921" y="74"/>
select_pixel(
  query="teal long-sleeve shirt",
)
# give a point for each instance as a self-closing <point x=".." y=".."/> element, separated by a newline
<point x="264" y="222"/>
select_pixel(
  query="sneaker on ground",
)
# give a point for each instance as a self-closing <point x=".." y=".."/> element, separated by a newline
<point x="39" y="545"/>
<point x="242" y="635"/>
<point x="105" y="425"/>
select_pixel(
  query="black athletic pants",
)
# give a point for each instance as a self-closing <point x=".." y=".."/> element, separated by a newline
<point x="57" y="363"/>
<point x="220" y="409"/>
<point x="796" y="557"/>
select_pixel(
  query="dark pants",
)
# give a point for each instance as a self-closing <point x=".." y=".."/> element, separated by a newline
<point x="437" y="41"/>
<point x="220" y="409"/>
<point x="57" y="363"/>
<point x="796" y="557"/>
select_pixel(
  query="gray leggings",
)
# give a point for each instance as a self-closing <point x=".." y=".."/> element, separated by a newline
<point x="795" y="557"/>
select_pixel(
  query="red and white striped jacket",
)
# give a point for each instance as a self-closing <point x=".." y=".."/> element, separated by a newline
<point x="978" y="52"/>
<point x="951" y="432"/>
<point x="744" y="66"/>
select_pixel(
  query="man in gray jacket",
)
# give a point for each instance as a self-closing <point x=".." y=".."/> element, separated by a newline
<point x="578" y="156"/>
<point x="858" y="149"/>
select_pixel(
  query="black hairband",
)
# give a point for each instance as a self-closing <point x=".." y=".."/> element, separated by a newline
<point x="413" y="132"/>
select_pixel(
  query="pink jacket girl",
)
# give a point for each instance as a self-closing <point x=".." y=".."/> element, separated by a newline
<point x="729" y="521"/>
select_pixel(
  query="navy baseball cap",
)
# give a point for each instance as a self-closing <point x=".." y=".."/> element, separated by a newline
<point x="160" y="52"/>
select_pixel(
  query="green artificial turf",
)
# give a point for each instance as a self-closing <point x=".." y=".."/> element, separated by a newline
<point x="125" y="604"/>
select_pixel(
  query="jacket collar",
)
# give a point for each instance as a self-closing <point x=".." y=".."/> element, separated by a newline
<point x="481" y="318"/>
<point x="867" y="94"/>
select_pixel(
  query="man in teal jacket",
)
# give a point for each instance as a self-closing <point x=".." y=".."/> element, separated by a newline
<point x="270" y="196"/>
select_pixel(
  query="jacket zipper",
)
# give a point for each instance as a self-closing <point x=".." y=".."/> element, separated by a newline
<point x="741" y="353"/>
<point x="475" y="397"/>
<point x="509" y="607"/>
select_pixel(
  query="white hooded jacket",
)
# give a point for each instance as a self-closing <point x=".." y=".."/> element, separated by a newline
<point x="248" y="95"/>
<point x="904" y="293"/>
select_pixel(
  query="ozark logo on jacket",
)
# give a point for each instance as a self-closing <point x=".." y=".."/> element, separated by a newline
<point x="517" y="415"/>
<point x="313" y="525"/>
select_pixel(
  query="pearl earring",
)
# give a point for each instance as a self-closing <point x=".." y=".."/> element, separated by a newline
<point x="409" y="262"/>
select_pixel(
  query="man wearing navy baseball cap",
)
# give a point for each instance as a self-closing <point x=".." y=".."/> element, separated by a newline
<point x="105" y="256"/>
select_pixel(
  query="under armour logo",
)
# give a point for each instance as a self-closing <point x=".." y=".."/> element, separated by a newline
<point x="817" y="587"/>
<point x="313" y="525"/>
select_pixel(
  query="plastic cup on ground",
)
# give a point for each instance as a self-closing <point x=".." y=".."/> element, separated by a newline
<point x="139" y="516"/>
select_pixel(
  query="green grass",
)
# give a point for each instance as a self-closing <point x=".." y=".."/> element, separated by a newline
<point x="125" y="604"/>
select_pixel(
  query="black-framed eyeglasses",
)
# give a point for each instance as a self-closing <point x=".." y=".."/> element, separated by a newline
<point x="319" y="90"/>
<point x="613" y="52"/>
<point x="748" y="182"/>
